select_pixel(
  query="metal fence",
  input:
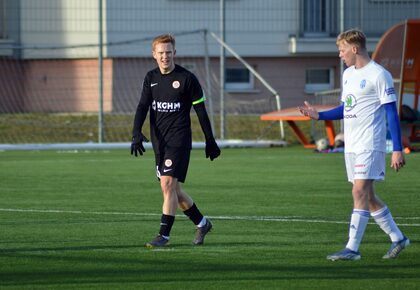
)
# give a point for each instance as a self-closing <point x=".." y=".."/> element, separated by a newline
<point x="50" y="62"/>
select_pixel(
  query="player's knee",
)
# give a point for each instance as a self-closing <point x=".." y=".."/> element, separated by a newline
<point x="168" y="185"/>
<point x="360" y="194"/>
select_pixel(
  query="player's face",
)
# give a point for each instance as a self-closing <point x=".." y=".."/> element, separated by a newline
<point x="164" y="53"/>
<point x="347" y="53"/>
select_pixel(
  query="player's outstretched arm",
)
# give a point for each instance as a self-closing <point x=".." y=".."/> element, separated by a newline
<point x="333" y="114"/>
<point x="309" y="111"/>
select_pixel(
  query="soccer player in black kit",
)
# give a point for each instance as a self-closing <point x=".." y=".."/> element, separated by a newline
<point x="169" y="92"/>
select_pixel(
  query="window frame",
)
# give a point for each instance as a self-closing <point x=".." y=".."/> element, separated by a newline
<point x="321" y="15"/>
<point x="239" y="86"/>
<point x="311" y="88"/>
<point x="3" y="20"/>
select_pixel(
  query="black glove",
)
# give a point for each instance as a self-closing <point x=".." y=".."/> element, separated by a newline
<point x="137" y="144"/>
<point x="212" y="150"/>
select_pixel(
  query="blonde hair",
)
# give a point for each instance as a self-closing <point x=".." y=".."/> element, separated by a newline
<point x="352" y="36"/>
<point x="163" y="38"/>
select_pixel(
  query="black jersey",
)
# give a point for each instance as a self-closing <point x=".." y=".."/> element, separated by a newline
<point x="170" y="97"/>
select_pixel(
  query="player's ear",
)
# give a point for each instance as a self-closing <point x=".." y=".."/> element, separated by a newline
<point x="174" y="51"/>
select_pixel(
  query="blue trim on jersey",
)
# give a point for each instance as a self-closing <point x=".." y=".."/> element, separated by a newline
<point x="333" y="114"/>
<point x="394" y="125"/>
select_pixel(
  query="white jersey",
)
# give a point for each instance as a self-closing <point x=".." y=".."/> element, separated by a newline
<point x="365" y="90"/>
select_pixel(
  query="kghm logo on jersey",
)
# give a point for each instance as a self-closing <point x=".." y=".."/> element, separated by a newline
<point x="350" y="103"/>
<point x="363" y="84"/>
<point x="166" y="107"/>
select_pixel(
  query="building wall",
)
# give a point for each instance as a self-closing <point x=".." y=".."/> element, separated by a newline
<point x="58" y="23"/>
<point x="253" y="28"/>
<point x="68" y="23"/>
<point x="11" y="91"/>
<point x="64" y="77"/>
<point x="54" y="86"/>
<point x="72" y="85"/>
<point x="285" y="75"/>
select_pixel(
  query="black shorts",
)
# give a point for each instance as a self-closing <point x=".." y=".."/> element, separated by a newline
<point x="173" y="162"/>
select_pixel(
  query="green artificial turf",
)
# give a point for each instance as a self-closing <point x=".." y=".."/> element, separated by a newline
<point x="79" y="220"/>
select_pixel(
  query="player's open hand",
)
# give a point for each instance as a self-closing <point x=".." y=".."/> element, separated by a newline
<point x="397" y="160"/>
<point x="137" y="144"/>
<point x="309" y="111"/>
<point x="212" y="150"/>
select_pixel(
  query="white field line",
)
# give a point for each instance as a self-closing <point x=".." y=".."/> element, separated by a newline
<point x="237" y="218"/>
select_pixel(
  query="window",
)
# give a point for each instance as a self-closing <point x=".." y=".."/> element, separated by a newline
<point x="393" y="1"/>
<point x="3" y="19"/>
<point x="320" y="17"/>
<point x="238" y="79"/>
<point x="319" y="79"/>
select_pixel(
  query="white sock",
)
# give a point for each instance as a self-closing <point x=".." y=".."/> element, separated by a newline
<point x="358" y="222"/>
<point x="385" y="221"/>
<point x="202" y="223"/>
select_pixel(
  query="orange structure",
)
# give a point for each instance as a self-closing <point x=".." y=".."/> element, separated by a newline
<point x="291" y="115"/>
<point x="399" y="52"/>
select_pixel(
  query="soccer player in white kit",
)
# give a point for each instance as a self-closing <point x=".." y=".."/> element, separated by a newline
<point x="368" y="95"/>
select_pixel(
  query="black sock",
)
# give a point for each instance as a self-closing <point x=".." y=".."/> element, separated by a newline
<point x="166" y="223"/>
<point x="194" y="214"/>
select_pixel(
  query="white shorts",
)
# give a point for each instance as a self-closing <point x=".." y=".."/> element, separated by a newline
<point x="365" y="165"/>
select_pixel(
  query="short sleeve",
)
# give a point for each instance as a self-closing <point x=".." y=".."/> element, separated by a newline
<point x="385" y="86"/>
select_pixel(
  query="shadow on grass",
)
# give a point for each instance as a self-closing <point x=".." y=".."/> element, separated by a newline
<point x="135" y="264"/>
